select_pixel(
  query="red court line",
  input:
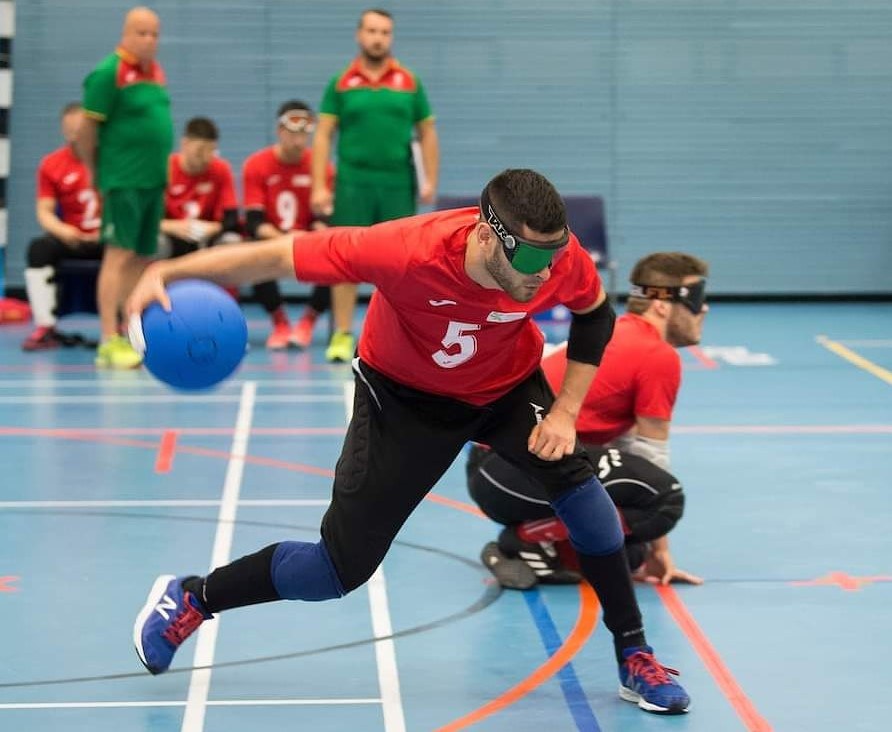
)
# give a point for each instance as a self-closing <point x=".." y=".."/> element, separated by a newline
<point x="166" y="449"/>
<point x="733" y="692"/>
<point x="704" y="360"/>
<point x="208" y="431"/>
<point x="457" y="505"/>
<point x="222" y="454"/>
<point x="100" y="437"/>
<point x="588" y="608"/>
<point x="585" y="625"/>
<point x="793" y="429"/>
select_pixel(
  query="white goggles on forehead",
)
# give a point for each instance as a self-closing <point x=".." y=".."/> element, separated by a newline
<point x="297" y="122"/>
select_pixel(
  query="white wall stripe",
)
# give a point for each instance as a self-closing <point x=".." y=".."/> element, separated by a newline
<point x="7" y="18"/>
<point x="4" y="157"/>
<point x="200" y="682"/>
<point x="5" y="87"/>
<point x="3" y="227"/>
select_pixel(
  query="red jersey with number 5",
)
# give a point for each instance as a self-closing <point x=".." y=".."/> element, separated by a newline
<point x="429" y="325"/>
<point x="204" y="196"/>
<point x="282" y="190"/>
<point x="64" y="178"/>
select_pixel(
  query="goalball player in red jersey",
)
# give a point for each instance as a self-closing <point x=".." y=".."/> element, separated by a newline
<point x="69" y="210"/>
<point x="277" y="185"/>
<point x="623" y="424"/>
<point x="448" y="354"/>
<point x="200" y="204"/>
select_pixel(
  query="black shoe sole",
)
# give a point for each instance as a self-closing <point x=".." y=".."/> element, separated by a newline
<point x="513" y="574"/>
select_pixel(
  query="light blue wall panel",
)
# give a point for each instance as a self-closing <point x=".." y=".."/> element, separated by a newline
<point x="757" y="134"/>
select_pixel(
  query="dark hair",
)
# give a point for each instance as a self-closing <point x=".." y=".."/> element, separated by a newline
<point x="522" y="196"/>
<point x="663" y="269"/>
<point x="293" y="105"/>
<point x="375" y="11"/>
<point x="71" y="107"/>
<point x="201" y="128"/>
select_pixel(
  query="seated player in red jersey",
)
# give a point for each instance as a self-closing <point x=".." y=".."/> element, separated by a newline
<point x="623" y="425"/>
<point x="68" y="209"/>
<point x="200" y="205"/>
<point x="277" y="185"/>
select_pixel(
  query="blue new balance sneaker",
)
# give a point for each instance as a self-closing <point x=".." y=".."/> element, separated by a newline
<point x="169" y="616"/>
<point x="648" y="683"/>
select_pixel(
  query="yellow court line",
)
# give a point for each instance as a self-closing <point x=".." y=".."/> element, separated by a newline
<point x="852" y="357"/>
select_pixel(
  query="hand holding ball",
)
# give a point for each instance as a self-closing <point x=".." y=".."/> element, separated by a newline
<point x="196" y="345"/>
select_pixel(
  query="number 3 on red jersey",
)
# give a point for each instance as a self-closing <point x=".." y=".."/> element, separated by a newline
<point x="457" y="334"/>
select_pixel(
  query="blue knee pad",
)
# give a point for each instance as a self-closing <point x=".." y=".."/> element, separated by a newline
<point x="591" y="518"/>
<point x="304" y="571"/>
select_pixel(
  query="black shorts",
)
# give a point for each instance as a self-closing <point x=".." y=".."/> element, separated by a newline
<point x="649" y="498"/>
<point x="400" y="442"/>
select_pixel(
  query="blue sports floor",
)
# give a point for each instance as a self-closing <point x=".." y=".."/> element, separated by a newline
<point x="782" y="437"/>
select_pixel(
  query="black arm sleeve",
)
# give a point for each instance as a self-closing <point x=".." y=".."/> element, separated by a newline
<point x="230" y="220"/>
<point x="254" y="217"/>
<point x="590" y="333"/>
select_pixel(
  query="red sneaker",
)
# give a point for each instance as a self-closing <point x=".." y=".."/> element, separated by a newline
<point x="43" y="338"/>
<point x="281" y="334"/>
<point x="302" y="335"/>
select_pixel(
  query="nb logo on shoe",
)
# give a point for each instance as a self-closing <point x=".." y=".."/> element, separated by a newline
<point x="166" y="604"/>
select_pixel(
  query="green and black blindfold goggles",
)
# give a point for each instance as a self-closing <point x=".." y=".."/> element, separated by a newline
<point x="527" y="257"/>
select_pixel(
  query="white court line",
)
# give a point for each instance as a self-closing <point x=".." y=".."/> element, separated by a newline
<point x="200" y="682"/>
<point x="231" y="385"/>
<point x="385" y="650"/>
<point x="164" y="398"/>
<point x="172" y="503"/>
<point x="180" y="703"/>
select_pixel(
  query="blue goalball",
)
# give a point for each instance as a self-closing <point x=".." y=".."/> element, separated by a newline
<point x="196" y="345"/>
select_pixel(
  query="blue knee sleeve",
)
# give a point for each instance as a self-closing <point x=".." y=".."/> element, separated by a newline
<point x="591" y="518"/>
<point x="304" y="571"/>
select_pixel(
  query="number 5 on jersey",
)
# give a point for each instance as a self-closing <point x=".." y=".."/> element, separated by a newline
<point x="457" y="334"/>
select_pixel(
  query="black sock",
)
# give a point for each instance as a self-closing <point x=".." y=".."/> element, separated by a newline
<point x="610" y="577"/>
<point x="246" y="581"/>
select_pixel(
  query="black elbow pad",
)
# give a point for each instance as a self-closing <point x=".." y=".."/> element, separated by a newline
<point x="590" y="333"/>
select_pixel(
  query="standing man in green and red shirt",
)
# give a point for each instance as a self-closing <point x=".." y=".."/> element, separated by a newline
<point x="127" y="137"/>
<point x="375" y="104"/>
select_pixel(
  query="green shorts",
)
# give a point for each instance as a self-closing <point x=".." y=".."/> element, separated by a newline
<point x="364" y="204"/>
<point x="131" y="218"/>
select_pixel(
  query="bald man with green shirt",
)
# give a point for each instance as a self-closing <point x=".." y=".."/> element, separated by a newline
<point x="375" y="105"/>
<point x="126" y="138"/>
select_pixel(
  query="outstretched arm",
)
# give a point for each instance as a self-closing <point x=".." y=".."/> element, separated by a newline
<point x="227" y="264"/>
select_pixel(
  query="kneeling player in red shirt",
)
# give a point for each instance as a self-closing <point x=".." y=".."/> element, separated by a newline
<point x="623" y="425"/>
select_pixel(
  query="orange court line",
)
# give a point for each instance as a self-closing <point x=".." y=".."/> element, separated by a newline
<point x="704" y="360"/>
<point x="588" y="608"/>
<point x="585" y="625"/>
<point x="733" y="692"/>
<point x="166" y="449"/>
